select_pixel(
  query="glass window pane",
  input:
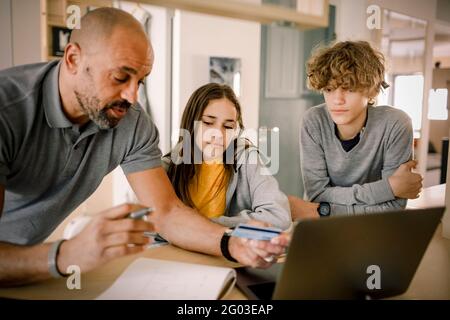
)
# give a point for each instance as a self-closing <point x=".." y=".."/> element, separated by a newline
<point x="408" y="96"/>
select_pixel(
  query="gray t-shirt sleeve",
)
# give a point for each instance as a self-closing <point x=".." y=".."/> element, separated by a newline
<point x="4" y="168"/>
<point x="3" y="172"/>
<point x="144" y="152"/>
<point x="368" y="197"/>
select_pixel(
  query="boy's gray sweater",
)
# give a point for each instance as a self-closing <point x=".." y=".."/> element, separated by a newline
<point x="355" y="181"/>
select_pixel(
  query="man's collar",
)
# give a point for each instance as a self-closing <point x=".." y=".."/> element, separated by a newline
<point x="51" y="99"/>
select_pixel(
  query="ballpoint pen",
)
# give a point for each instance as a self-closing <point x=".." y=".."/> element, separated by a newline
<point x="139" y="214"/>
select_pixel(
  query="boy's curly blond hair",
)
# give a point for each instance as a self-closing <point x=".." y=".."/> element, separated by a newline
<point x="351" y="65"/>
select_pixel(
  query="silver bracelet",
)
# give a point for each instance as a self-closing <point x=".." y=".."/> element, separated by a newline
<point x="52" y="259"/>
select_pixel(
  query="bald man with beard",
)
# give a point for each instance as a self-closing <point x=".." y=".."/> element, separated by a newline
<point x="66" y="124"/>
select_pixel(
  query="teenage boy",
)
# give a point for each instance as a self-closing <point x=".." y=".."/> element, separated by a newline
<point x="355" y="156"/>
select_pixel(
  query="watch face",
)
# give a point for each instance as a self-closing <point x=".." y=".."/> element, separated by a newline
<point x="324" y="209"/>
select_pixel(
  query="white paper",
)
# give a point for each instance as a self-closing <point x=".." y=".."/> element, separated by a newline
<point x="148" y="279"/>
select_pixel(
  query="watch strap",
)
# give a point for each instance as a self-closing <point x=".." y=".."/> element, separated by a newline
<point x="224" y="246"/>
<point x="52" y="259"/>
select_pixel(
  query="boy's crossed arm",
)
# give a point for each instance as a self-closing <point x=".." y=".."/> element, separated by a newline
<point x="397" y="184"/>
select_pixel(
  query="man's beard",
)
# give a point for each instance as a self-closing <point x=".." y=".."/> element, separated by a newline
<point x="91" y="108"/>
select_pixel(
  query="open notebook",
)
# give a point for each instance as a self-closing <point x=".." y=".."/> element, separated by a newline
<point x="147" y="279"/>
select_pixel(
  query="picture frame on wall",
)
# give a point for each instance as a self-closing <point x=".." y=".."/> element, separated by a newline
<point x="60" y="38"/>
<point x="227" y="71"/>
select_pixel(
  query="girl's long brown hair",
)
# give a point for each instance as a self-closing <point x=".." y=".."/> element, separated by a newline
<point x="181" y="174"/>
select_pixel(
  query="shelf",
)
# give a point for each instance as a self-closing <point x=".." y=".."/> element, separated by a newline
<point x="53" y="23"/>
<point x="263" y="13"/>
<point x="53" y="58"/>
<point x="54" y="15"/>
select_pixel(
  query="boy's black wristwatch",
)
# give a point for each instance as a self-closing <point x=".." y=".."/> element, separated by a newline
<point x="224" y="245"/>
<point x="324" y="209"/>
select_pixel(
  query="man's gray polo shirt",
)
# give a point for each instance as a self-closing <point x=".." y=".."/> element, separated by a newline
<point x="47" y="165"/>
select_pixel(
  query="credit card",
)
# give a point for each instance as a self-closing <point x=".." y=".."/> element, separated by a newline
<point x="255" y="233"/>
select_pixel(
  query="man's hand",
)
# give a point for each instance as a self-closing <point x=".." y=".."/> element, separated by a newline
<point x="404" y="183"/>
<point x="109" y="235"/>
<point x="184" y="227"/>
<point x="301" y="209"/>
<point x="258" y="254"/>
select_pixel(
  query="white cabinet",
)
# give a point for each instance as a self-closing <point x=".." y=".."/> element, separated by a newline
<point x="282" y="79"/>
